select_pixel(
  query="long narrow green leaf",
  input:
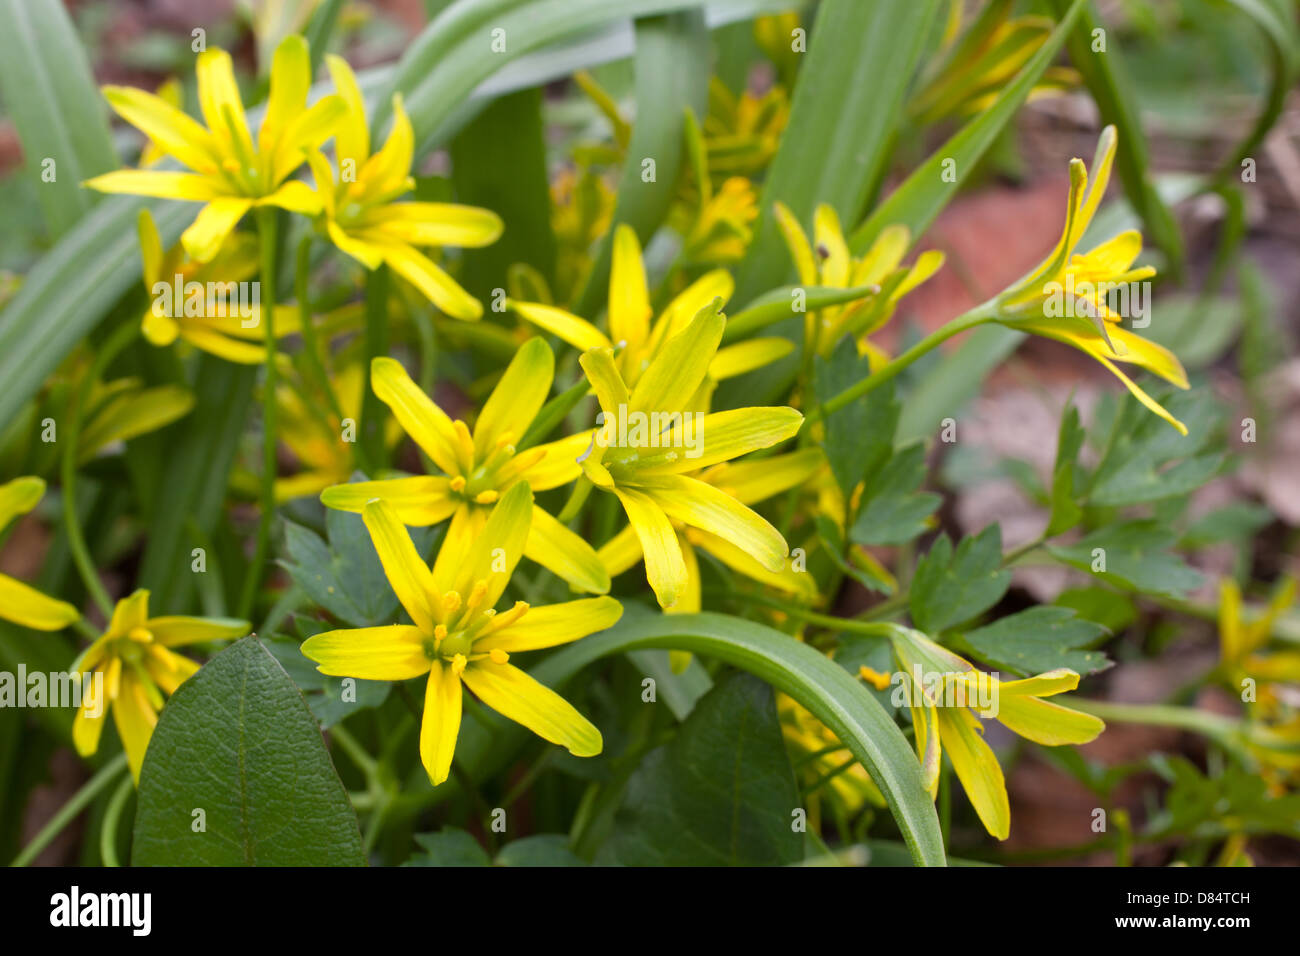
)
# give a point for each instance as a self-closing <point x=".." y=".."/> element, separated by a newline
<point x="843" y="116"/>
<point x="927" y="190"/>
<point x="811" y="678"/>
<point x="1111" y="87"/>
<point x="60" y="116"/>
<point x="672" y="76"/>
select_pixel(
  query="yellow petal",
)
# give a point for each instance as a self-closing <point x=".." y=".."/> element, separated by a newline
<point x="151" y="249"/>
<point x="517" y="398"/>
<point x="88" y="726"/>
<point x="305" y="133"/>
<point x="1046" y="722"/>
<point x="831" y="247"/>
<point x="388" y="171"/>
<point x="129" y="613"/>
<point x="744" y="357"/>
<point x="210" y="229"/>
<point x="797" y="241"/>
<point x="977" y="768"/>
<point x="678" y="369"/>
<point x="369" y="254"/>
<point x="219" y="101"/>
<point x="466" y="525"/>
<point x="170" y="129"/>
<point x="629" y="298"/>
<point x="133" y="414"/>
<point x="559" y="465"/>
<point x="295" y="196"/>
<point x="690" y="600"/>
<point x="799" y="583"/>
<point x="162" y="185"/>
<point x="168" y="670"/>
<point x="403" y="566"/>
<point x="436" y="285"/>
<point x="175" y="630"/>
<point x="498" y="547"/>
<point x="28" y="607"/>
<point x="751" y="481"/>
<point x="717" y="284"/>
<point x="723" y="436"/>
<point x="884" y="255"/>
<point x="436" y="224"/>
<point x="559" y="550"/>
<point x="352" y="138"/>
<point x="702" y="506"/>
<point x="1057" y="681"/>
<point x="394" y="652"/>
<point x="290" y="81"/>
<point x="440" y="724"/>
<point x="553" y="624"/>
<point x="606" y="382"/>
<point x="620" y="552"/>
<point x="426" y="423"/>
<point x="18" y="497"/>
<point x="135" y="718"/>
<point x="665" y="568"/>
<point x="513" y="694"/>
<point x="565" y="326"/>
<point x="419" y="501"/>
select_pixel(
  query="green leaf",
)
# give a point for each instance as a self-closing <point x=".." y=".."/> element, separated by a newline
<point x="720" y="793"/>
<point x="542" y="849"/>
<point x="953" y="587"/>
<point x="681" y="692"/>
<point x="1039" y="639"/>
<point x="51" y="97"/>
<point x="672" y="76"/>
<point x="1065" y="510"/>
<point x="818" y="683"/>
<point x="450" y="846"/>
<point x="236" y="741"/>
<point x="833" y="541"/>
<point x="891" y="510"/>
<point x="1237" y="522"/>
<point x="926" y="191"/>
<point x="777" y="304"/>
<point x="1149" y="461"/>
<point x="860" y="436"/>
<point x="1111" y="609"/>
<point x="1133" y="554"/>
<point x="331" y="699"/>
<point x="844" y="114"/>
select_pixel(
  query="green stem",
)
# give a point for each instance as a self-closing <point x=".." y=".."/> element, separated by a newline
<point x="112" y="814"/>
<point x="121" y="337"/>
<point x="311" y="347"/>
<point x="69" y="811"/>
<point x="977" y="316"/>
<point x="267" y="228"/>
<point x="372" y="443"/>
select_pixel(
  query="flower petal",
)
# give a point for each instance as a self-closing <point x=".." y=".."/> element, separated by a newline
<point x="210" y="229"/>
<point x="977" y="768"/>
<point x="175" y="630"/>
<point x="553" y="624"/>
<point x="440" y="724"/>
<point x="403" y="566"/>
<point x="744" y="357"/>
<point x="18" y="497"/>
<point x="758" y="480"/>
<point x="516" y="399"/>
<point x="797" y="241"/>
<point x="419" y="501"/>
<point x="565" y="553"/>
<point x="665" y="568"/>
<point x="1046" y="722"/>
<point x="702" y="506"/>
<point x="629" y="297"/>
<point x="436" y="224"/>
<point x="440" y="288"/>
<point x="678" y="369"/>
<point x="135" y="719"/>
<point x="394" y="652"/>
<point x="831" y="246"/>
<point x="722" y="436"/>
<point x="513" y="694"/>
<point x="28" y="607"/>
<point x="565" y="326"/>
<point x="494" y="552"/>
<point x="170" y="129"/>
<point x="162" y="185"/>
<point x="426" y="423"/>
<point x="606" y="382"/>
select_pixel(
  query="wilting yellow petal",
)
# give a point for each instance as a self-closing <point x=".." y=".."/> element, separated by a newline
<point x="977" y="768"/>
<point x="565" y="326"/>
<point x="665" y="568"/>
<point x="441" y="722"/>
<point x="419" y="501"/>
<point x="403" y="566"/>
<point x="175" y="630"/>
<point x="426" y="423"/>
<point x="517" y="398"/>
<point x="25" y="606"/>
<point x="568" y="555"/>
<point x="513" y="694"/>
<point x="629" y="298"/>
<point x="394" y="652"/>
<point x="703" y="506"/>
<point x="1046" y="722"/>
<point x="553" y="624"/>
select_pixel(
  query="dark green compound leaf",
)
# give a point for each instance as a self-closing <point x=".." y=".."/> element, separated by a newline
<point x="236" y="774"/>
<point x="1040" y="639"/>
<point x="1065" y="509"/>
<point x="1134" y="555"/>
<point x="344" y="575"/>
<point x="859" y="436"/>
<point x="891" y="510"/>
<point x="1111" y="609"/>
<point x="952" y="587"/>
<point x="721" y="793"/>
<point x="833" y="542"/>
<point x="450" y="846"/>
<point x="1149" y="461"/>
<point x="544" y="849"/>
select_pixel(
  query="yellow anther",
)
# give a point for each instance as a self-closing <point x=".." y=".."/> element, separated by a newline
<point x="509" y="617"/>
<point x="140" y="635"/>
<point x="498" y="656"/>
<point x="876" y="679"/>
<point x="507" y="441"/>
<point x="230" y="164"/>
<point x="439" y="632"/>
<point x="477" y="594"/>
<point x="458" y="664"/>
<point x="451" y="602"/>
<point x="458" y="483"/>
<point x="486" y="497"/>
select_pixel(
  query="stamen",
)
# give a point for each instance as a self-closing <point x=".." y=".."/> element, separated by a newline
<point x="458" y="483"/>
<point x="486" y="497"/>
<point x="458" y="664"/>
<point x="451" y="602"/>
<point x="498" y="656"/>
<point x="476" y="595"/>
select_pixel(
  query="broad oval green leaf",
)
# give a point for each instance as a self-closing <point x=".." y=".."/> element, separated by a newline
<point x="237" y="742"/>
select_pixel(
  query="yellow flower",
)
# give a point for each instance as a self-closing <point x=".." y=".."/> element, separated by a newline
<point x="947" y="697"/>
<point x="652" y="435"/>
<point x="479" y="467"/>
<point x="139" y="669"/>
<point x="748" y="483"/>
<point x="1242" y="643"/>
<point x="1066" y="296"/>
<point x="457" y="635"/>
<point x="829" y="263"/>
<point x="19" y="603"/>
<point x="810" y="743"/>
<point x="741" y="134"/>
<point x="170" y="93"/>
<point x="639" y="340"/>
<point x="363" y="218"/>
<point x="230" y="173"/>
<point x="226" y="323"/>
<point x="582" y="205"/>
